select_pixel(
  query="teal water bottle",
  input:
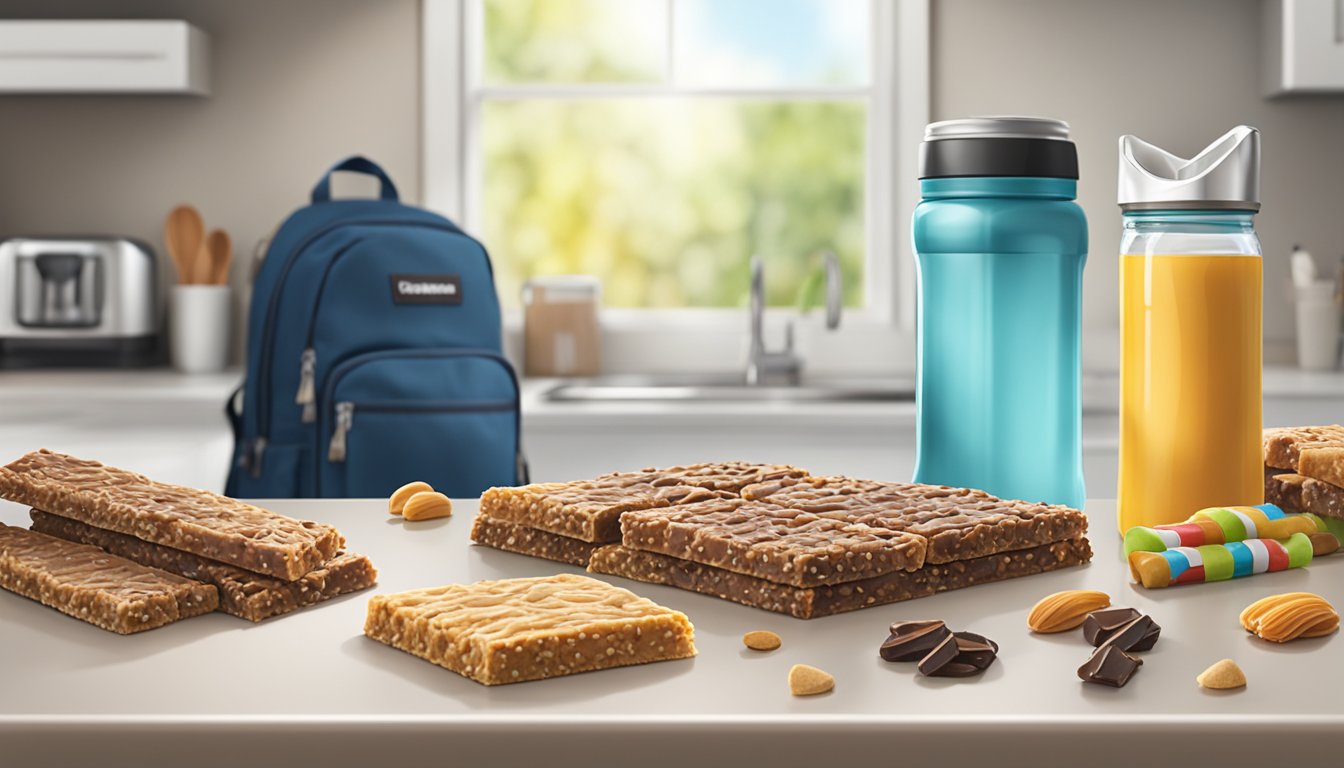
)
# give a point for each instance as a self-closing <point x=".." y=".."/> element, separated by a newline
<point x="1000" y="246"/>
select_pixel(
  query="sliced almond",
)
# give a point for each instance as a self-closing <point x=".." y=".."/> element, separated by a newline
<point x="809" y="681"/>
<point x="1066" y="610"/>
<point x="427" y="505"/>
<point x="761" y="640"/>
<point x="397" y="501"/>
<point x="1222" y="675"/>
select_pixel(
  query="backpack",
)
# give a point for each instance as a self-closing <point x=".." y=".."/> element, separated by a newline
<point x="373" y="357"/>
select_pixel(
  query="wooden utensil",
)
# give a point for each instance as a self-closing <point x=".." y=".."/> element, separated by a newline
<point x="183" y="235"/>
<point x="214" y="266"/>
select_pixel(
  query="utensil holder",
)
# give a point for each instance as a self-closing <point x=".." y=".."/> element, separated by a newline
<point x="199" y="327"/>
<point x="1318" y="317"/>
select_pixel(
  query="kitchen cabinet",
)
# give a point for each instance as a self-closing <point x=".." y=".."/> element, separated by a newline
<point x="310" y="689"/>
<point x="1303" y="46"/>
<point x="103" y="56"/>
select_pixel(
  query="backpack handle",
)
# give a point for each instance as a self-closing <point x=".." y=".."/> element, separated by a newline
<point x="356" y="164"/>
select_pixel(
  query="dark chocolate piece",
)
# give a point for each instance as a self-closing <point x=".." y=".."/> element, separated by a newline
<point x="1108" y="665"/>
<point x="912" y="640"/>
<point x="1100" y="625"/>
<point x="975" y="650"/>
<point x="942" y="655"/>
<point x="1148" y="640"/>
<point x="1134" y="634"/>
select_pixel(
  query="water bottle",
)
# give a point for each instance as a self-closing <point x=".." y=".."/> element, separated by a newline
<point x="1190" y="303"/>
<point x="1000" y="245"/>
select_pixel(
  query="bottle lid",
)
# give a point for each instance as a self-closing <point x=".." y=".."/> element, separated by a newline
<point x="998" y="146"/>
<point x="1224" y="176"/>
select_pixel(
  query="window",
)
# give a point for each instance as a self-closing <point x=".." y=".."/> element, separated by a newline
<point x="659" y="144"/>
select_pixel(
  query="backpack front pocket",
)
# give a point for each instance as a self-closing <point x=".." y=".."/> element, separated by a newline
<point x="446" y="417"/>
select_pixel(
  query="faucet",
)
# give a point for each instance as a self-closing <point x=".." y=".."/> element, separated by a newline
<point x="766" y="367"/>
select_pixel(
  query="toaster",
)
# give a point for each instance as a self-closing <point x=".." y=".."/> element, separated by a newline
<point x="86" y="301"/>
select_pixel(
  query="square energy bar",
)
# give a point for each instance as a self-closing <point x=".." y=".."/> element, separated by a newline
<point x="773" y="542"/>
<point x="1315" y="452"/>
<point x="813" y="602"/>
<point x="958" y="523"/>
<point x="87" y="583"/>
<point x="203" y="523"/>
<point x="590" y="510"/>
<point x="512" y="537"/>
<point x="514" y="630"/>
<point x="1295" y="493"/>
<point x="244" y="594"/>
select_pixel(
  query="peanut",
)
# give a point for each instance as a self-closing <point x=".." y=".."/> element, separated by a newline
<point x="1067" y="610"/>
<point x="397" y="501"/>
<point x="761" y="640"/>
<point x="1222" y="675"/>
<point x="427" y="505"/>
<point x="1281" y="618"/>
<point x="809" y="681"/>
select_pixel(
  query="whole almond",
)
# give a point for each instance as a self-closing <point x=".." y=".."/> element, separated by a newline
<point x="1286" y="617"/>
<point x="809" y="681"/>
<point x="1222" y="675"/>
<point x="1250" y="616"/>
<point x="1066" y="610"/>
<point x="426" y="505"/>
<point x="397" y="501"/>
<point x="761" y="640"/>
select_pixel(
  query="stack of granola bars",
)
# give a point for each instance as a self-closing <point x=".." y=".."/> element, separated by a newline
<point x="1304" y="469"/>
<point x="776" y="538"/>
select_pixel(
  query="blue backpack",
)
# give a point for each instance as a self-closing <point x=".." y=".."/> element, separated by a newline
<point x="373" y="357"/>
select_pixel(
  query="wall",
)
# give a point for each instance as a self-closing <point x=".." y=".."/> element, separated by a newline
<point x="295" y="86"/>
<point x="1178" y="73"/>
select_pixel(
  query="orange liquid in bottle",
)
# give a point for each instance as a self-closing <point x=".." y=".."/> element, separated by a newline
<point x="1190" y="431"/>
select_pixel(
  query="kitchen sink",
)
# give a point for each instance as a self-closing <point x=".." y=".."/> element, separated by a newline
<point x="728" y="388"/>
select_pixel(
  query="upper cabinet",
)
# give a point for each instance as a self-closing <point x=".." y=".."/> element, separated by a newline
<point x="168" y="57"/>
<point x="1304" y="46"/>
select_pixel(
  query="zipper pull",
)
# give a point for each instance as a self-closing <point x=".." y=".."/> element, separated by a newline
<point x="345" y="419"/>
<point x="307" y="395"/>
<point x="257" y="453"/>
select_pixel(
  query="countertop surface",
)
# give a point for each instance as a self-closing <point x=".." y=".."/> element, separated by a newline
<point x="311" y="683"/>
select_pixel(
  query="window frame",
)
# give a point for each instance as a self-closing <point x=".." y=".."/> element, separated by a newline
<point x="875" y="339"/>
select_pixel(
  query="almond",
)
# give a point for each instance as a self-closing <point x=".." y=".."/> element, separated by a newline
<point x="809" y="681"/>
<point x="426" y="505"/>
<point x="1067" y="610"/>
<point x="761" y="640"/>
<point x="1281" y="618"/>
<point x="397" y="501"/>
<point x="1222" y="675"/>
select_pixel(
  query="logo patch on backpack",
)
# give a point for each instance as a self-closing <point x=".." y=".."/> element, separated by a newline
<point x="427" y="289"/>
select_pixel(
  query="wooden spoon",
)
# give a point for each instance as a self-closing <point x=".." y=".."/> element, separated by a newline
<point x="214" y="268"/>
<point x="183" y="234"/>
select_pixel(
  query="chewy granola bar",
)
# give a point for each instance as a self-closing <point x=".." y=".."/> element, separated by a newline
<point x="89" y="584"/>
<point x="513" y="630"/>
<point x="1295" y="493"/>
<point x="244" y="594"/>
<point x="958" y="523"/>
<point x="590" y="510"/>
<point x="772" y="542"/>
<point x="512" y="537"/>
<point x="203" y="523"/>
<point x="808" y="603"/>
<point x="1320" y="449"/>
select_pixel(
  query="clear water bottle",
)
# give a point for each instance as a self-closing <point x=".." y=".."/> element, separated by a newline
<point x="1000" y="245"/>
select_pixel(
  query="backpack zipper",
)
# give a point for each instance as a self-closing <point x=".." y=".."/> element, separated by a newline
<point x="257" y="450"/>
<point x="345" y="417"/>
<point x="307" y="394"/>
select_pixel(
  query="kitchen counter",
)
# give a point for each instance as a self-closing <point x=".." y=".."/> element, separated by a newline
<point x="310" y="689"/>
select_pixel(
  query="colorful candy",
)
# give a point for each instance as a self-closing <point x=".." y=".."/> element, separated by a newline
<point x="1218" y="562"/>
<point x="1222" y="525"/>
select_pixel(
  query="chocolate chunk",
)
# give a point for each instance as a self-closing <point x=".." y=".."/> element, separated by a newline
<point x="1100" y="625"/>
<point x="1109" y="665"/>
<point x="942" y="655"/>
<point x="1137" y="635"/>
<point x="975" y="650"/>
<point x="912" y="640"/>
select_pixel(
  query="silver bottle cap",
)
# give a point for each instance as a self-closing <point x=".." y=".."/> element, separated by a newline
<point x="998" y="127"/>
<point x="1224" y="176"/>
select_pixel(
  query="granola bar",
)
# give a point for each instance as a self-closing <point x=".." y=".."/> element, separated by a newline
<point x="512" y="537"/>
<point x="958" y="523"/>
<point x="244" y="594"/>
<point x="513" y="630"/>
<point x="772" y="542"/>
<point x="203" y="523"/>
<point x="89" y="584"/>
<point x="1284" y="446"/>
<point x="812" y="602"/>
<point x="1295" y="493"/>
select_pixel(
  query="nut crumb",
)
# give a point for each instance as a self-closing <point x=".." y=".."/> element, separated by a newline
<point x="761" y="640"/>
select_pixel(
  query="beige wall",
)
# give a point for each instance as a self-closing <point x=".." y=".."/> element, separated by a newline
<point x="296" y="85"/>
<point x="1178" y="73"/>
